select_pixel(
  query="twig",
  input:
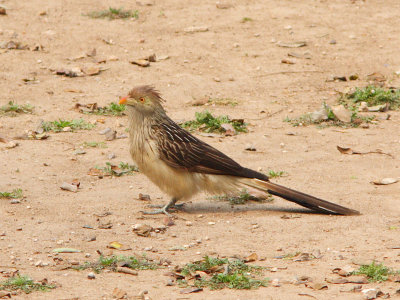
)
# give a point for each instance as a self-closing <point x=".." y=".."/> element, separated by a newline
<point x="289" y="72"/>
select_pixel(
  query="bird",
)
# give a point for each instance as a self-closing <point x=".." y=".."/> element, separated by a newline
<point x="182" y="165"/>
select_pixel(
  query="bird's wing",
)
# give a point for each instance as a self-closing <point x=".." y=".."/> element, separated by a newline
<point x="180" y="149"/>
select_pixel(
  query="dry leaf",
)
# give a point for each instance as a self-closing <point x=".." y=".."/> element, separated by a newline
<point x="252" y="257"/>
<point x="347" y="150"/>
<point x="126" y="270"/>
<point x="95" y="172"/>
<point x="291" y="45"/>
<point x="119" y="294"/>
<point x="191" y="290"/>
<point x="140" y="62"/>
<point x="317" y="286"/>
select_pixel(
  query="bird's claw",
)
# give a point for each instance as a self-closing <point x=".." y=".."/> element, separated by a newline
<point x="163" y="210"/>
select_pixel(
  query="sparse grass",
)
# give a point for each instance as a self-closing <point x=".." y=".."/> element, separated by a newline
<point x="113" y="109"/>
<point x="330" y="120"/>
<point x="291" y="255"/>
<point x="94" y="145"/>
<point x="373" y="96"/>
<point x="13" y="108"/>
<point x="222" y="273"/>
<point x="246" y="19"/>
<point x="375" y="272"/>
<point x="206" y="122"/>
<point x="25" y="284"/>
<point x="59" y="125"/>
<point x="114" y="13"/>
<point x="222" y="102"/>
<point x="121" y="169"/>
<point x="15" y="194"/>
<point x="274" y="174"/>
<point x="114" y="261"/>
<point x="242" y="198"/>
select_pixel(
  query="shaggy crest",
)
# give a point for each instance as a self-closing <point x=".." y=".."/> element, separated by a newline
<point x="146" y="90"/>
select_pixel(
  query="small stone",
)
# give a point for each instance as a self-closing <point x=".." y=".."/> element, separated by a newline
<point x="188" y="223"/>
<point x="67" y="129"/>
<point x="105" y="130"/>
<point x="332" y="42"/>
<point x="2" y="11"/>
<point x="211" y="223"/>
<point x="111" y="155"/>
<point x="91" y="275"/>
<point x="69" y="187"/>
<point x="110" y="135"/>
<point x="144" y="197"/>
<point x="275" y="282"/>
<point x="140" y="62"/>
<point x="193" y="29"/>
<point x="250" y="147"/>
<point x="15" y="201"/>
<point x="217" y="79"/>
<point x="39" y="263"/>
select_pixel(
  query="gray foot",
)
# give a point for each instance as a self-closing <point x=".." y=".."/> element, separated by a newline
<point x="164" y="209"/>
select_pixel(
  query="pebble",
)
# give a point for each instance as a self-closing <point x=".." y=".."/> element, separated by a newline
<point x="275" y="282"/>
<point x="15" y="201"/>
<point x="111" y="155"/>
<point x="188" y="223"/>
<point x="39" y="263"/>
<point x="211" y="223"/>
<point x="91" y="275"/>
<point x="217" y="79"/>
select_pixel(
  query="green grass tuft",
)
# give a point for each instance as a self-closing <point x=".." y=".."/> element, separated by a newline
<point x="222" y="102"/>
<point x="23" y="283"/>
<point x="222" y="273"/>
<point x="274" y="174"/>
<point x="242" y="198"/>
<point x="373" y="96"/>
<point x="206" y="122"/>
<point x="13" y="108"/>
<point x="57" y="126"/>
<point x="375" y="272"/>
<point x="246" y="19"/>
<point x="15" y="194"/>
<point x="331" y="120"/>
<point x="112" y="262"/>
<point x="121" y="169"/>
<point x="114" y="13"/>
<point x="113" y="109"/>
<point x="94" y="145"/>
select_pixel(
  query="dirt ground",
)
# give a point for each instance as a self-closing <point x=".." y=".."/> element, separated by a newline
<point x="233" y="59"/>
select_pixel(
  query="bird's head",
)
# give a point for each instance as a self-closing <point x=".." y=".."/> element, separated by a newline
<point x="144" y="99"/>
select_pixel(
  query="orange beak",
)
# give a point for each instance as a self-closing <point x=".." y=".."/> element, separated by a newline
<point x="123" y="100"/>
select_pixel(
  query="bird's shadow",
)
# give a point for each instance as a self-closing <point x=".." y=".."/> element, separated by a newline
<point x="213" y="207"/>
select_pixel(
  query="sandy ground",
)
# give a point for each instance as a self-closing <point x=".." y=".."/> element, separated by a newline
<point x="231" y="60"/>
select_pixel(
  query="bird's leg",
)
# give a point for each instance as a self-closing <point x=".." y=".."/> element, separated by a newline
<point x="164" y="209"/>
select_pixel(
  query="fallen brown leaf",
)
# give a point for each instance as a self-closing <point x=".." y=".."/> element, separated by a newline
<point x="349" y="151"/>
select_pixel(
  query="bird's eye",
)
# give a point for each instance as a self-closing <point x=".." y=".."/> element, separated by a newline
<point x="141" y="99"/>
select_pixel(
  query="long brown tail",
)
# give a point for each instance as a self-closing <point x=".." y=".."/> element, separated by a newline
<point x="305" y="200"/>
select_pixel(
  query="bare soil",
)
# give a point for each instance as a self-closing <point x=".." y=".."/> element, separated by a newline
<point x="233" y="59"/>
